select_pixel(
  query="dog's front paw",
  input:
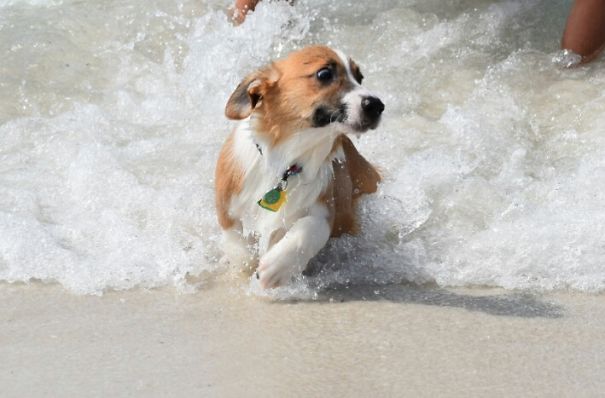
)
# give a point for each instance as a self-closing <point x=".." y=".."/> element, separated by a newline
<point x="274" y="271"/>
<point x="237" y="251"/>
<point x="242" y="259"/>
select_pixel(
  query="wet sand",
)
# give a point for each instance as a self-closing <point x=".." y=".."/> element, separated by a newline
<point x="219" y="342"/>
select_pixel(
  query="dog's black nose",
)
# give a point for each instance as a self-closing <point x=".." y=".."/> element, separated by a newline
<point x="372" y="106"/>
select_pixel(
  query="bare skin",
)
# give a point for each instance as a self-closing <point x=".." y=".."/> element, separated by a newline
<point x="585" y="30"/>
<point x="241" y="8"/>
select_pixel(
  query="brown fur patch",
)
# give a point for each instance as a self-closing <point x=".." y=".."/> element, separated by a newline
<point x="352" y="178"/>
<point x="228" y="181"/>
<point x="364" y="175"/>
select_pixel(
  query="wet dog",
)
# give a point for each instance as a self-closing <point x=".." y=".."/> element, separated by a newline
<point x="288" y="177"/>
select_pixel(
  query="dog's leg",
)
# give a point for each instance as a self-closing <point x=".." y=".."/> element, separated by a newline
<point x="237" y="249"/>
<point x="292" y="253"/>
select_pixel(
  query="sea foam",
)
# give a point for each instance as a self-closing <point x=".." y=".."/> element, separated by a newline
<point x="111" y="118"/>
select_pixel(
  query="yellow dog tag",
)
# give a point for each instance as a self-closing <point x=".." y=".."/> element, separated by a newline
<point x="273" y="200"/>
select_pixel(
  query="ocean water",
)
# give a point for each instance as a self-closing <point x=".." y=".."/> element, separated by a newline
<point x="111" y="119"/>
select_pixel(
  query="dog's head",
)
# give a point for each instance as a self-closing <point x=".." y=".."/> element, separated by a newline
<point x="311" y="88"/>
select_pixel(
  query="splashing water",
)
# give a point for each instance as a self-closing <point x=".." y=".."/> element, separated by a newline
<point x="111" y="118"/>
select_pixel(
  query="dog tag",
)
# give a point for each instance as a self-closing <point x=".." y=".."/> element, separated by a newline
<point x="273" y="200"/>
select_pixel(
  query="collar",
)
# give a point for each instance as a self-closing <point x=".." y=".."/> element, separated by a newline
<point x="291" y="171"/>
<point x="276" y="197"/>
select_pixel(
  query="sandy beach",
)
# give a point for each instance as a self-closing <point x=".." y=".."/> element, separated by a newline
<point x="400" y="341"/>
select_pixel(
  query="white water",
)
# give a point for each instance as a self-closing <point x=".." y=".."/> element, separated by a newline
<point x="111" y="118"/>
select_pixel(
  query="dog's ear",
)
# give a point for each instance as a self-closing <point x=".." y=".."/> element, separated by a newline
<point x="250" y="92"/>
<point x="356" y="71"/>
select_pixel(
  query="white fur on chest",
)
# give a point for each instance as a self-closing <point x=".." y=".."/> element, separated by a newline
<point x="310" y="149"/>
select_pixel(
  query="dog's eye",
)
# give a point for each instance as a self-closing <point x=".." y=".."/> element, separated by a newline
<point x="325" y="75"/>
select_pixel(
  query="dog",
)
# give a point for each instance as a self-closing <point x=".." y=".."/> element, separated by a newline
<point x="288" y="177"/>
